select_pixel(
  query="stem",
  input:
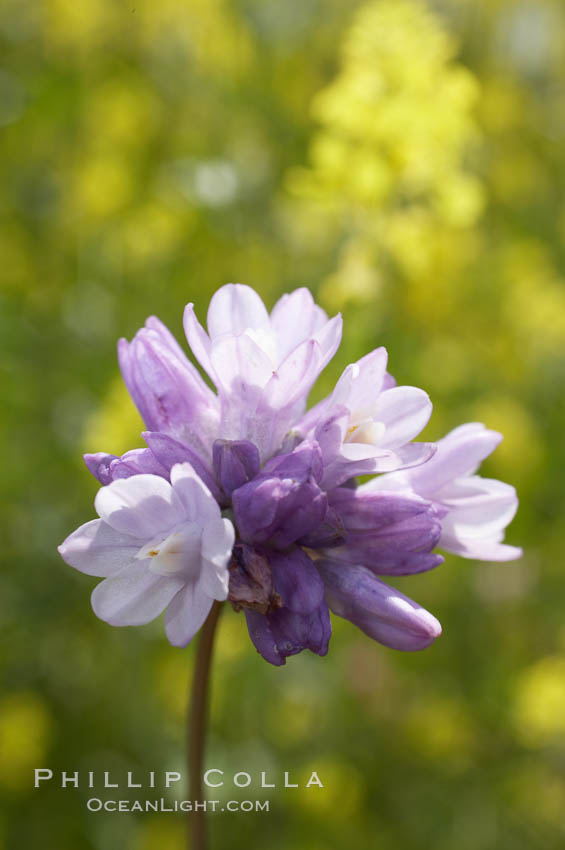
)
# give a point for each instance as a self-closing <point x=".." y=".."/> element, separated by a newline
<point x="196" y="727"/>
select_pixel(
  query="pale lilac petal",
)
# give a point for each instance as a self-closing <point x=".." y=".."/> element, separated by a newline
<point x="361" y="459"/>
<point x="412" y="455"/>
<point x="153" y="323"/>
<point x="478" y="507"/>
<point x="295" y="375"/>
<point x="459" y="453"/>
<point x="197" y="501"/>
<point x="198" y="340"/>
<point x="280" y="404"/>
<point x="142" y="506"/>
<point x="133" y="596"/>
<point x="98" y="550"/>
<point x="331" y="431"/>
<point x="313" y="417"/>
<point x="354" y="452"/>
<point x="235" y="308"/>
<point x="404" y="411"/>
<point x="480" y="550"/>
<point x="239" y="361"/>
<point x="186" y="614"/>
<point x="295" y="318"/>
<point x="329" y="338"/>
<point x="361" y="382"/>
<point x="218" y="538"/>
<point x="166" y="388"/>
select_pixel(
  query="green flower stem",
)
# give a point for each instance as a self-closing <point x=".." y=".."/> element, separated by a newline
<point x="196" y="727"/>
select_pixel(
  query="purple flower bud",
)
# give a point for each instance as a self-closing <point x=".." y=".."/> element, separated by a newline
<point x="167" y="389"/>
<point x="329" y="534"/>
<point x="98" y="463"/>
<point x="390" y="533"/>
<point x="302" y="621"/>
<point x="284" y="502"/>
<point x="380" y="611"/>
<point x="236" y="462"/>
<point x="169" y="451"/>
<point x="107" y="468"/>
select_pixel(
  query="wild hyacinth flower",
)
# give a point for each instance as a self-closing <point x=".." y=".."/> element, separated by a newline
<point x="157" y="545"/>
<point x="298" y="536"/>
<point x="475" y="510"/>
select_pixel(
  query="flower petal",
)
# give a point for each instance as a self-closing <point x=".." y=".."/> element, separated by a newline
<point x="166" y="388"/>
<point x="98" y="550"/>
<point x="134" y="596"/>
<point x="235" y="308"/>
<point x="142" y="506"/>
<point x="458" y="454"/>
<point x="240" y="365"/>
<point x="197" y="501"/>
<point x="198" y="340"/>
<point x="404" y="411"/>
<point x="186" y="614"/>
<point x="360" y="383"/>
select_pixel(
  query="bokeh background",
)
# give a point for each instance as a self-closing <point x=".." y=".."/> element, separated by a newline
<point x="406" y="160"/>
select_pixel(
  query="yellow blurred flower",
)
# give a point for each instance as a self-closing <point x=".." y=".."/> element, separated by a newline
<point x="25" y="731"/>
<point x="116" y="426"/>
<point x="539" y="707"/>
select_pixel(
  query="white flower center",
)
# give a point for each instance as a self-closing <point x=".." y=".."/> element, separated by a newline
<point x="365" y="431"/>
<point x="178" y="552"/>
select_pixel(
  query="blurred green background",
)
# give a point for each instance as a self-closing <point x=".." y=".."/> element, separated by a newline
<point x="406" y="160"/>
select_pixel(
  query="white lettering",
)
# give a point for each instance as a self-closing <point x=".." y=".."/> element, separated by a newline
<point x="47" y="774"/>
<point x="314" y="780"/>
<point x="207" y="775"/>
<point x="171" y="776"/>
<point x="288" y="784"/>
<point x="264" y="783"/>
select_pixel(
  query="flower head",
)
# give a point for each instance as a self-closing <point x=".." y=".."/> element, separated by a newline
<point x="475" y="511"/>
<point x="242" y="495"/>
<point x="157" y="545"/>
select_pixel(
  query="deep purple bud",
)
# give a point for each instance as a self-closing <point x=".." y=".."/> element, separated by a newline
<point x="302" y="621"/>
<point x="329" y="534"/>
<point x="169" y="451"/>
<point x="236" y="462"/>
<point x="284" y="503"/>
<point x="107" y="468"/>
<point x="377" y="609"/>
<point x="251" y="580"/>
<point x="388" y="532"/>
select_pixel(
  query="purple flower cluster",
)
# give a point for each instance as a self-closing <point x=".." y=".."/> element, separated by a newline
<point x="242" y="494"/>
